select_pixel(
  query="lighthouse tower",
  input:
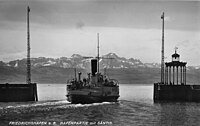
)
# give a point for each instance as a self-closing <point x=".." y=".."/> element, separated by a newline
<point x="175" y="71"/>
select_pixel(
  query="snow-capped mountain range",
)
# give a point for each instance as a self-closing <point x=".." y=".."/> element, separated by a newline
<point x="110" y="60"/>
<point x="58" y="70"/>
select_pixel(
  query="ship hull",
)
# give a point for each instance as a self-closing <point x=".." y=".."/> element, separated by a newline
<point x="85" y="99"/>
<point x="18" y="92"/>
<point x="188" y="93"/>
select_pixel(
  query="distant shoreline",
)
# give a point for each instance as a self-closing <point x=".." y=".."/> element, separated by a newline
<point x="54" y="75"/>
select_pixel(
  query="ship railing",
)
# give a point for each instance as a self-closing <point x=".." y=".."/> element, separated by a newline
<point x="115" y="82"/>
<point x="159" y="83"/>
<point x="71" y="84"/>
<point x="69" y="81"/>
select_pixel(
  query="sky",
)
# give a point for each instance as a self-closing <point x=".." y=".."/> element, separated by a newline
<point x="129" y="28"/>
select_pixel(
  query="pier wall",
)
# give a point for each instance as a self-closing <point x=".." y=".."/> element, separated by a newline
<point x="18" y="92"/>
<point x="176" y="92"/>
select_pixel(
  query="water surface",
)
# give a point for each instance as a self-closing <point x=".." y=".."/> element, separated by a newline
<point x="135" y="107"/>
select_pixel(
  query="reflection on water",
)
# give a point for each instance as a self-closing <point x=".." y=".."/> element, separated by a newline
<point x="48" y="92"/>
<point x="181" y="113"/>
<point x="174" y="113"/>
<point x="140" y="93"/>
<point x="135" y="107"/>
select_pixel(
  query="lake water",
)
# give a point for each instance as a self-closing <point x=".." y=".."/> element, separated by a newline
<point x="135" y="108"/>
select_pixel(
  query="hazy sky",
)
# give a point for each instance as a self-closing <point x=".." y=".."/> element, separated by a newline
<point x="128" y="28"/>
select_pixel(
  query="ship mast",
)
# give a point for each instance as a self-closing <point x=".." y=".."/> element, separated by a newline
<point x="162" y="51"/>
<point x="28" y="79"/>
<point x="97" y="52"/>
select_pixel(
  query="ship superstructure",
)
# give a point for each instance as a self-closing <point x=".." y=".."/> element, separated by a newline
<point x="95" y="88"/>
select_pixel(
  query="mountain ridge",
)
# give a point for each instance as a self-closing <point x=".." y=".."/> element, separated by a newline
<point x="110" y="60"/>
<point x="59" y="70"/>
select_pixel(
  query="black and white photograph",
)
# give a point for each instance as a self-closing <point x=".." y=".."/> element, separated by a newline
<point x="99" y="63"/>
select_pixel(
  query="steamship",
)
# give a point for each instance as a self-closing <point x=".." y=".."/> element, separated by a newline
<point x="95" y="88"/>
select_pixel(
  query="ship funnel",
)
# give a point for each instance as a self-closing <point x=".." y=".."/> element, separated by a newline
<point x="94" y="66"/>
<point x="79" y="76"/>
